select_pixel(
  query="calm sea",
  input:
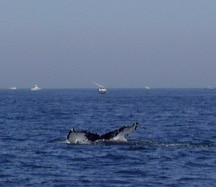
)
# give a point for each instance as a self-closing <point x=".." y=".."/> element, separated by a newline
<point x="174" y="144"/>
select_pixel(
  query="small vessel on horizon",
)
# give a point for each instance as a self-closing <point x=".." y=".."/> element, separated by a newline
<point x="147" y="88"/>
<point x="12" y="88"/>
<point x="35" y="88"/>
<point x="101" y="89"/>
<point x="209" y="88"/>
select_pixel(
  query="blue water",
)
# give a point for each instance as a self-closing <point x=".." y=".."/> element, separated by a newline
<point x="174" y="145"/>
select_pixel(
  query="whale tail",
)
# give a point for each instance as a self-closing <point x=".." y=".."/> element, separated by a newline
<point x="81" y="137"/>
<point x="86" y="137"/>
<point x="120" y="134"/>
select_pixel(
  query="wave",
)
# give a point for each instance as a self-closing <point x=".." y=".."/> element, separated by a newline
<point x="143" y="144"/>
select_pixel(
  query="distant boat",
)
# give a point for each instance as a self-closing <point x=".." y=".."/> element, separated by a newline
<point x="209" y="88"/>
<point x="101" y="88"/>
<point x="147" y="88"/>
<point x="35" y="88"/>
<point x="12" y="88"/>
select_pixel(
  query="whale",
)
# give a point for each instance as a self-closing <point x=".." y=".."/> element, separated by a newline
<point x="85" y="137"/>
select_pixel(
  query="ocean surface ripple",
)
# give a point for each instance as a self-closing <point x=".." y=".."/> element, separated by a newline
<point x="174" y="144"/>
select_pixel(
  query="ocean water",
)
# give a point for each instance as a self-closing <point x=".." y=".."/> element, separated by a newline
<point x="174" y="144"/>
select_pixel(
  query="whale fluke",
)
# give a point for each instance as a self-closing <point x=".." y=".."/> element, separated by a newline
<point x="81" y="137"/>
<point x="120" y="134"/>
<point x="86" y="137"/>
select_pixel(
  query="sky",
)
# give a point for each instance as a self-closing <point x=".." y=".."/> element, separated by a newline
<point x="117" y="43"/>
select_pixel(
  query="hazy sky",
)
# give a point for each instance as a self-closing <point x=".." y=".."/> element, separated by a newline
<point x="119" y="43"/>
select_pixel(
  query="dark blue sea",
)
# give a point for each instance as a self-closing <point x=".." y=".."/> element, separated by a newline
<point x="174" y="144"/>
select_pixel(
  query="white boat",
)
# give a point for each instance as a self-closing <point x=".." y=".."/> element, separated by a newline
<point x="209" y="88"/>
<point x="35" y="88"/>
<point x="12" y="88"/>
<point x="147" y="88"/>
<point x="101" y="88"/>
